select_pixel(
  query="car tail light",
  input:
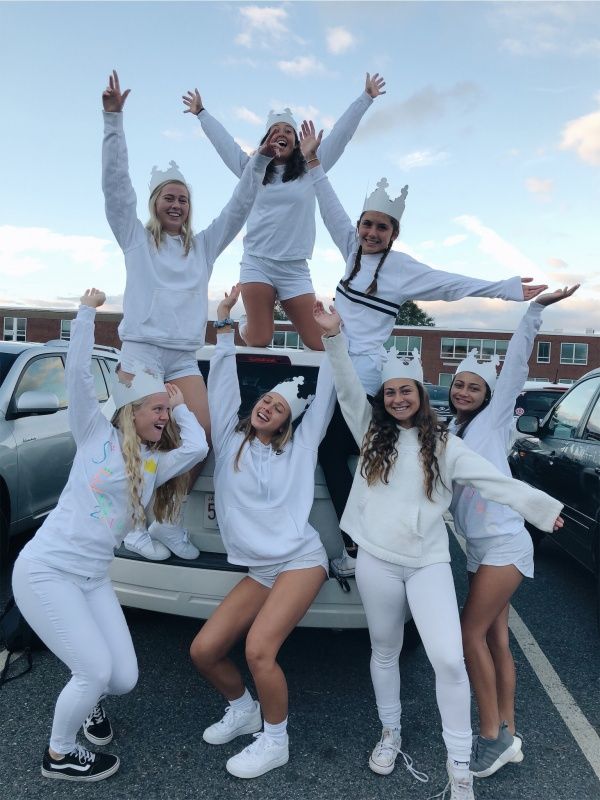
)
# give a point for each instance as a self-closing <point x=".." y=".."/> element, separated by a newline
<point x="256" y="358"/>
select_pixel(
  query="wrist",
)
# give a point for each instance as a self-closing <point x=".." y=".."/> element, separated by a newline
<point x="200" y="110"/>
<point x="223" y="322"/>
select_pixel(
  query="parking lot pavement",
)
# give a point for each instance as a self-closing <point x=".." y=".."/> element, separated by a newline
<point x="333" y="724"/>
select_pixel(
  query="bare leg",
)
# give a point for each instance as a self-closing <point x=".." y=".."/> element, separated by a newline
<point x="194" y="393"/>
<point x="287" y="603"/>
<point x="490" y="591"/>
<point x="300" y="311"/>
<point x="506" y="679"/>
<point x="259" y="302"/>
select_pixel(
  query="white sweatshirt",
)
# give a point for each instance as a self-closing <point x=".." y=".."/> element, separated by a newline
<point x="263" y="508"/>
<point x="488" y="434"/>
<point x="369" y="319"/>
<point x="281" y="225"/>
<point x="166" y="293"/>
<point x="93" y="513"/>
<point x="395" y="521"/>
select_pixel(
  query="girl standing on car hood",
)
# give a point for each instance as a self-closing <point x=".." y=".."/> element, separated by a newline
<point x="377" y="281"/>
<point x="165" y="304"/>
<point x="264" y="492"/>
<point x="401" y="489"/>
<point x="499" y="549"/>
<point x="60" y="580"/>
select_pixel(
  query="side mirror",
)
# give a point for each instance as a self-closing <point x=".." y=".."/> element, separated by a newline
<point x="528" y="424"/>
<point x="37" y="403"/>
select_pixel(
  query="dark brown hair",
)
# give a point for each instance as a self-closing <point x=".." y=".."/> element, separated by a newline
<point x="372" y="288"/>
<point x="295" y="166"/>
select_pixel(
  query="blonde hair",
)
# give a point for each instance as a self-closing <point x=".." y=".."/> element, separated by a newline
<point x="169" y="496"/>
<point x="278" y="441"/>
<point x="153" y="225"/>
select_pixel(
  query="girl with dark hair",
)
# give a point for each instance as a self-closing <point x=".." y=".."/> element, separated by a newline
<point x="281" y="227"/>
<point x="401" y="489"/>
<point x="264" y="491"/>
<point x="377" y="281"/>
<point x="499" y="549"/>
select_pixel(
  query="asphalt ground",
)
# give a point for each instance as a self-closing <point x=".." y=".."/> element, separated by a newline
<point x="333" y="723"/>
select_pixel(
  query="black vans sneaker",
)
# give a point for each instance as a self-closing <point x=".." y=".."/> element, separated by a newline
<point x="97" y="728"/>
<point x="80" y="765"/>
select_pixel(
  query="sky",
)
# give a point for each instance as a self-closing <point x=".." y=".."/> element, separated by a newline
<point x="491" y="115"/>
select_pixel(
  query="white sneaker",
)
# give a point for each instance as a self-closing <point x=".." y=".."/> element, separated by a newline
<point x="263" y="755"/>
<point x="344" y="566"/>
<point x="383" y="758"/>
<point x="461" y="785"/>
<point x="175" y="538"/>
<point x="140" y="542"/>
<point x="518" y="756"/>
<point x="234" y="723"/>
<point x="243" y="327"/>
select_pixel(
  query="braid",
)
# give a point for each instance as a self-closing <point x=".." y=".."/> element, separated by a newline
<point x="355" y="269"/>
<point x="372" y="288"/>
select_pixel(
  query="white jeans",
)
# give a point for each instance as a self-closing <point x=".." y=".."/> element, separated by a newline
<point x="81" y="622"/>
<point x="385" y="589"/>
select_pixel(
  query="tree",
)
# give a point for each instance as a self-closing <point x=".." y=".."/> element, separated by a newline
<point x="278" y="312"/>
<point x="411" y="314"/>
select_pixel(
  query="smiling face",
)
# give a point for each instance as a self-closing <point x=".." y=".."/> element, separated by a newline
<point x="376" y="231"/>
<point x="172" y="206"/>
<point x="285" y="136"/>
<point x="401" y="400"/>
<point x="269" y="416"/>
<point x="151" y="417"/>
<point x="467" y="393"/>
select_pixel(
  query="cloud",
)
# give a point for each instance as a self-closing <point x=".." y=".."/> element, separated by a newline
<point x="262" y="26"/>
<point x="557" y="263"/>
<point x="241" y="112"/>
<point x="300" y="66"/>
<point x="420" y="158"/>
<point x="24" y="250"/>
<point x="173" y="134"/>
<point x="493" y="245"/>
<point x="583" y="136"/>
<point x="339" y="40"/>
<point x="543" y="186"/>
<point x="568" y="278"/>
<point x="248" y="148"/>
<point x="451" y="241"/>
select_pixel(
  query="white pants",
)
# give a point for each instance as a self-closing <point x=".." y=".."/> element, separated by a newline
<point x="81" y="622"/>
<point x="385" y="589"/>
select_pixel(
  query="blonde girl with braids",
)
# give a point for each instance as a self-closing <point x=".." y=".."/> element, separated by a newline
<point x="377" y="281"/>
<point x="401" y="490"/>
<point x="60" y="580"/>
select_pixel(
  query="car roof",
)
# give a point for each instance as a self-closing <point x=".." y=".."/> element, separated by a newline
<point x="529" y="386"/>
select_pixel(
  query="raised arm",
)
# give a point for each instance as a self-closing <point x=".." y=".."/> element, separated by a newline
<point x="317" y="417"/>
<point x="193" y="448"/>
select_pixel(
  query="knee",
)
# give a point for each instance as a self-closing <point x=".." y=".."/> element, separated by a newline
<point x="124" y="680"/>
<point x="258" y="656"/>
<point x="449" y="667"/>
<point x="473" y="640"/>
<point x="498" y="641"/>
<point x="202" y="654"/>
<point x="95" y="677"/>
<point x="257" y="339"/>
<point x="385" y="659"/>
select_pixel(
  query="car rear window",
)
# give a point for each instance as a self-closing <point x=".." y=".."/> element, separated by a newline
<point x="438" y="392"/>
<point x="6" y="362"/>
<point x="536" y="403"/>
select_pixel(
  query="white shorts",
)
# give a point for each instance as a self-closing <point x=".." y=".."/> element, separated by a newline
<point x="170" y="364"/>
<point x="266" y="575"/>
<point x="500" y="551"/>
<point x="288" y="278"/>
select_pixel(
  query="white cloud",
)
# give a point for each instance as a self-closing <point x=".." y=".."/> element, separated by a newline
<point x="339" y="40"/>
<point x="583" y="136"/>
<point x="23" y="250"/>
<point x="543" y="186"/>
<point x="248" y="148"/>
<point x="538" y="29"/>
<point x="493" y="245"/>
<point x="300" y="66"/>
<point x="557" y="263"/>
<point x="420" y="158"/>
<point x="568" y="278"/>
<point x="241" y="112"/>
<point x="451" y="241"/>
<point x="262" y="26"/>
<point x="173" y="134"/>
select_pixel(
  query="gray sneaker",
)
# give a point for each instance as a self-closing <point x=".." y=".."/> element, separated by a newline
<point x="490" y="754"/>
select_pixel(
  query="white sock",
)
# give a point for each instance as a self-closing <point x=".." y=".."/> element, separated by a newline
<point x="460" y="769"/>
<point x="278" y="732"/>
<point x="243" y="703"/>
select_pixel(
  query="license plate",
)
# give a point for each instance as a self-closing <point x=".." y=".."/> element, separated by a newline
<point x="210" y="512"/>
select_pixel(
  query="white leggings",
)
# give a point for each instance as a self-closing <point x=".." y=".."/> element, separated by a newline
<point x="81" y="622"/>
<point x="385" y="589"/>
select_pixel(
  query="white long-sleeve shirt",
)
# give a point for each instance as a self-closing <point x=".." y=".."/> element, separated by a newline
<point x="396" y="521"/>
<point x="263" y="508"/>
<point x="370" y="318"/>
<point x="281" y="225"/>
<point x="166" y="292"/>
<point x="488" y="434"/>
<point x="93" y="512"/>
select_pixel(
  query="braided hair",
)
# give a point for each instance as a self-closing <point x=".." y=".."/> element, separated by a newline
<point x="372" y="287"/>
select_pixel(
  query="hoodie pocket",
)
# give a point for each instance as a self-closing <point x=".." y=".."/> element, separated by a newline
<point x="176" y="314"/>
<point x="269" y="534"/>
<point x="396" y="531"/>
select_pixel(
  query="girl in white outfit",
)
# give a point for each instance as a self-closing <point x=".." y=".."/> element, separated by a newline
<point x="377" y="281"/>
<point x="281" y="227"/>
<point x="402" y="487"/>
<point x="60" y="580"/>
<point x="165" y="305"/>
<point x="499" y="549"/>
<point x="264" y="491"/>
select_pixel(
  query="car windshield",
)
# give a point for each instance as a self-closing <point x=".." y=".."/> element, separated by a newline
<point x="438" y="393"/>
<point x="6" y="362"/>
<point x="536" y="403"/>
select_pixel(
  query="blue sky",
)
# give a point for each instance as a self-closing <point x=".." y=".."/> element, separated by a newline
<point x="492" y="116"/>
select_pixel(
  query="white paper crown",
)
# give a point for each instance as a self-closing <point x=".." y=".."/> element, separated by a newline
<point x="401" y="366"/>
<point x="485" y="369"/>
<point x="158" y="176"/>
<point x="290" y="390"/>
<point x="143" y="383"/>
<point x="283" y="116"/>
<point x="379" y="200"/>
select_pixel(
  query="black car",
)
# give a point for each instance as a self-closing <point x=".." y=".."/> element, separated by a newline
<point x="439" y="401"/>
<point x="563" y="459"/>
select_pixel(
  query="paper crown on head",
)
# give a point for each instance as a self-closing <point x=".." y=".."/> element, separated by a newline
<point x="290" y="391"/>
<point x="158" y="176"/>
<point x="284" y="116"/>
<point x="485" y="369"/>
<point x="379" y="200"/>
<point x="401" y="366"/>
<point x="143" y="383"/>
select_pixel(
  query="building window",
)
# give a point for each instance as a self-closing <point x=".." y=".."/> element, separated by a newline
<point x="65" y="329"/>
<point x="543" y="353"/>
<point x="567" y="381"/>
<point x="487" y="348"/>
<point x="445" y="378"/>
<point x="571" y="353"/>
<point x="287" y="339"/>
<point x="404" y="344"/>
<point x="15" y="329"/>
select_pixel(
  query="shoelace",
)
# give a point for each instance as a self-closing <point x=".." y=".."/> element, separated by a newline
<point x="408" y="763"/>
<point x="97" y="715"/>
<point x="453" y="784"/>
<point x="83" y="756"/>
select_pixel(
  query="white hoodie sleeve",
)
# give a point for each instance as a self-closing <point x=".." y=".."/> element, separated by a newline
<point x="193" y="448"/>
<point x="231" y="153"/>
<point x="351" y="395"/>
<point x="317" y="417"/>
<point x="337" y="222"/>
<point x="426" y="283"/>
<point x="334" y="144"/>
<point x="223" y="392"/>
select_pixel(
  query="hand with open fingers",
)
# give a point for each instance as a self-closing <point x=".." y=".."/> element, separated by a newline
<point x="529" y="292"/>
<point x="329" y="322"/>
<point x="271" y="147"/>
<point x="175" y="395"/>
<point x="229" y="301"/>
<point x="555" y="297"/>
<point x="93" y="298"/>
<point x="112" y="98"/>
<point x="374" y="85"/>
<point x="193" y="101"/>
<point x="558" y="523"/>
<point x="309" y="140"/>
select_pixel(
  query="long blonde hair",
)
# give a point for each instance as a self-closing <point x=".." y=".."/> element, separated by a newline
<point x="169" y="496"/>
<point x="278" y="442"/>
<point x="153" y="225"/>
